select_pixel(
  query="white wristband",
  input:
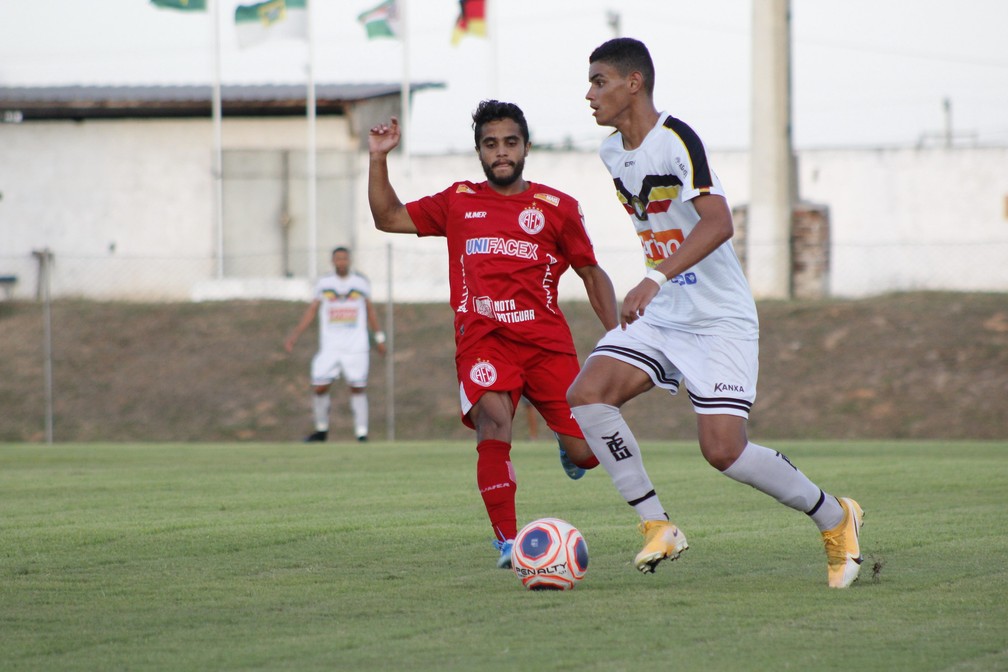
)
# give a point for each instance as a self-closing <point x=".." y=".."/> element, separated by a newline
<point x="657" y="276"/>
<point x="379" y="337"/>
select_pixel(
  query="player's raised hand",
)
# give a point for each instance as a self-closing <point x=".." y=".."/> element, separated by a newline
<point x="383" y="138"/>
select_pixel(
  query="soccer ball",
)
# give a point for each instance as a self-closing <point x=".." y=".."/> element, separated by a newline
<point x="549" y="554"/>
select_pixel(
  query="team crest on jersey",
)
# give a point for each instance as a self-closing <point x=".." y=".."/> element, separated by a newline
<point x="532" y="220"/>
<point x="464" y="189"/>
<point x="549" y="198"/>
<point x="483" y="373"/>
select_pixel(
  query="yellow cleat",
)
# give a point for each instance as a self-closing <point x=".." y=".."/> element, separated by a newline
<point x="662" y="541"/>
<point x="843" y="546"/>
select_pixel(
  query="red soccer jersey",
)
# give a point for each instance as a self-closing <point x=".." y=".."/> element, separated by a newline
<point x="505" y="257"/>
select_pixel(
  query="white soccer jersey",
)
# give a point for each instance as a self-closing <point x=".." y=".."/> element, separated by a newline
<point x="655" y="183"/>
<point x="342" y="313"/>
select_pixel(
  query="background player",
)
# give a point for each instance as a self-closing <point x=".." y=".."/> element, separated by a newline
<point x="343" y="305"/>
<point x="692" y="318"/>
<point x="509" y="240"/>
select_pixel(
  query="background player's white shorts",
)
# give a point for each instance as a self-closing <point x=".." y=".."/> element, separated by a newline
<point x="330" y="365"/>
<point x="720" y="373"/>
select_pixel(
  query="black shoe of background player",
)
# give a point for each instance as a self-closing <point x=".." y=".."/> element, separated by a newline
<point x="316" y="436"/>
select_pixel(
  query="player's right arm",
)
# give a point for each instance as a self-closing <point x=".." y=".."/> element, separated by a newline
<point x="306" y="319"/>
<point x="389" y="213"/>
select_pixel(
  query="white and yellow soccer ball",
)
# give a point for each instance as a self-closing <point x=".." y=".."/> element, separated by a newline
<point x="549" y="554"/>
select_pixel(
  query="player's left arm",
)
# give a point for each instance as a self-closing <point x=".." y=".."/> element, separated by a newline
<point x="600" y="293"/>
<point x="375" y="327"/>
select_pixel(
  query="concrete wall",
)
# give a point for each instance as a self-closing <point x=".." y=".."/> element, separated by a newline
<point x="127" y="207"/>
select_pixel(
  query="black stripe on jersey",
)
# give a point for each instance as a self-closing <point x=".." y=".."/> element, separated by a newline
<point x="719" y="402"/>
<point x="647" y="184"/>
<point x="694" y="146"/>
<point x="622" y="190"/>
<point x="649" y="363"/>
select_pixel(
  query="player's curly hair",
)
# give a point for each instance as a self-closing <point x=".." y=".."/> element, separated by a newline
<point x="627" y="55"/>
<point x="495" y="110"/>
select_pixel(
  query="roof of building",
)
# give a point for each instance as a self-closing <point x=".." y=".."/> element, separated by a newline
<point x="24" y="103"/>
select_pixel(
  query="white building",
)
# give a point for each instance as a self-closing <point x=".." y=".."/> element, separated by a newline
<point x="118" y="184"/>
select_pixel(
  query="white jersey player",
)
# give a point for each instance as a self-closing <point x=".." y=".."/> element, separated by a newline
<point x="690" y="322"/>
<point x="343" y="307"/>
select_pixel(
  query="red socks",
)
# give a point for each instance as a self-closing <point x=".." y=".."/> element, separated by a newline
<point x="496" y="480"/>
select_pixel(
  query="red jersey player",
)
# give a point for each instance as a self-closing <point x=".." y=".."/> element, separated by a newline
<point x="509" y="240"/>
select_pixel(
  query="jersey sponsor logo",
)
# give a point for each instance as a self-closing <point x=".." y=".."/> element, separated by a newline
<point x="483" y="306"/>
<point x="476" y="214"/>
<point x="505" y="246"/>
<point x="531" y="220"/>
<point x="683" y="167"/>
<point x="660" y="245"/>
<point x="483" y="373"/>
<point x="464" y="189"/>
<point x="549" y="198"/>
<point x="684" y="279"/>
<point x="656" y="195"/>
<point x="503" y="311"/>
<point x="342" y="314"/>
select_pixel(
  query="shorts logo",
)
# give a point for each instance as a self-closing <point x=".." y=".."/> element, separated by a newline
<point x="483" y="373"/>
<point x="728" y="387"/>
<point x="531" y="220"/>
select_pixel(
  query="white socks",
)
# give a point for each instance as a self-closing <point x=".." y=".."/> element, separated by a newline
<point x="320" y="409"/>
<point x="768" y="471"/>
<point x="359" y="409"/>
<point x="771" y="472"/>
<point x="617" y="451"/>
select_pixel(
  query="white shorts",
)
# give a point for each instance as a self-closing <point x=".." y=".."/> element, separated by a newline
<point x="328" y="365"/>
<point x="720" y="373"/>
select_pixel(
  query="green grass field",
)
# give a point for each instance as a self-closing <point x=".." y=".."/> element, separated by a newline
<point x="378" y="557"/>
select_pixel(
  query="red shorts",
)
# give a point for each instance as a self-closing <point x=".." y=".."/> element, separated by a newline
<point x="499" y="364"/>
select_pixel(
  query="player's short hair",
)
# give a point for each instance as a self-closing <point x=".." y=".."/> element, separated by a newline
<point x="495" y="110"/>
<point x="627" y="55"/>
<point x="341" y="248"/>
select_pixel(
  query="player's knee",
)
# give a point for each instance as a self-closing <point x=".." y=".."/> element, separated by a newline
<point x="720" y="453"/>
<point x="579" y="394"/>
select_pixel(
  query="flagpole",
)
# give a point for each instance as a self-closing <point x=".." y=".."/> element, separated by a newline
<point x="404" y="93"/>
<point x="491" y="22"/>
<point x="312" y="159"/>
<point x="218" y="144"/>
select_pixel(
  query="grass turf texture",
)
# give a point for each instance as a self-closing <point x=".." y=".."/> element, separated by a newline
<point x="375" y="557"/>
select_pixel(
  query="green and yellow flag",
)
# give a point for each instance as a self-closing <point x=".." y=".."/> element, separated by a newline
<point x="381" y="21"/>
<point x="183" y="5"/>
<point x="272" y="19"/>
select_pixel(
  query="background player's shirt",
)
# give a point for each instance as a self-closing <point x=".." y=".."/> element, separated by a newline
<point x="655" y="183"/>
<point x="342" y="315"/>
<point x="505" y="258"/>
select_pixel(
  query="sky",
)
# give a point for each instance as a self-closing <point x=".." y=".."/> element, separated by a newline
<point x="865" y="73"/>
